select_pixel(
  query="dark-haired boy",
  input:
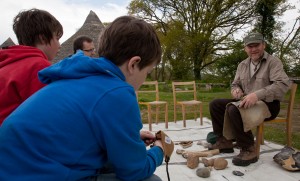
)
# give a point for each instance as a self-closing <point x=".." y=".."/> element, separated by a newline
<point x="38" y="34"/>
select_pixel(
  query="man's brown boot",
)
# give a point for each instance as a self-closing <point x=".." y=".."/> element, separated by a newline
<point x="246" y="157"/>
<point x="224" y="145"/>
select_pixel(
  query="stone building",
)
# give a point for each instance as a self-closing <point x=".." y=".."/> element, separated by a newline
<point x="91" y="27"/>
<point x="7" y="43"/>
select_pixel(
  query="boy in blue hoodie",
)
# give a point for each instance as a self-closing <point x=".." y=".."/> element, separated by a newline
<point x="88" y="116"/>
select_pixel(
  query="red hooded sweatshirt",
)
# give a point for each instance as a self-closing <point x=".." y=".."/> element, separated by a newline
<point x="19" y="66"/>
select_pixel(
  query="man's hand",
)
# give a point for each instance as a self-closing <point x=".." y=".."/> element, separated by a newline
<point x="147" y="137"/>
<point x="249" y="101"/>
<point x="237" y="93"/>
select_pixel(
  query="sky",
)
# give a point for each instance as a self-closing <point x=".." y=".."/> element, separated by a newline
<point x="72" y="13"/>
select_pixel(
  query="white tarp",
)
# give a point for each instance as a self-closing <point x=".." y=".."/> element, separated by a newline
<point x="264" y="169"/>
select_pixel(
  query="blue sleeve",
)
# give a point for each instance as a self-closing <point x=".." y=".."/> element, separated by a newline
<point x="118" y="124"/>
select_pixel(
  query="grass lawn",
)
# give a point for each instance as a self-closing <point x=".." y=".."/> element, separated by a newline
<point x="273" y="132"/>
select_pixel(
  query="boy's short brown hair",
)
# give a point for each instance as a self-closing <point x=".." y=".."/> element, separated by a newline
<point x="32" y="25"/>
<point x="127" y="37"/>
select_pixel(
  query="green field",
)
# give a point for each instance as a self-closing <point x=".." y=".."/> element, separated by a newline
<point x="273" y="132"/>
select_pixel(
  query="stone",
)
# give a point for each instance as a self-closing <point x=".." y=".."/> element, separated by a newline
<point x="203" y="172"/>
<point x="192" y="161"/>
<point x="208" y="162"/>
<point x="220" y="163"/>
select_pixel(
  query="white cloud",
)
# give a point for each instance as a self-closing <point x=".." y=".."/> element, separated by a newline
<point x="70" y="13"/>
<point x="290" y="16"/>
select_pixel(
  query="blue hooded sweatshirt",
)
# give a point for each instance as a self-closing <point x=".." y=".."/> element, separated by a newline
<point x="86" y="117"/>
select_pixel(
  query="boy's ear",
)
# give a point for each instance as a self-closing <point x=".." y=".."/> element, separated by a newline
<point x="42" y="39"/>
<point x="133" y="63"/>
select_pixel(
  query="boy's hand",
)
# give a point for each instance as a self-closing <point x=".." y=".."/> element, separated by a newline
<point x="147" y="137"/>
<point x="159" y="143"/>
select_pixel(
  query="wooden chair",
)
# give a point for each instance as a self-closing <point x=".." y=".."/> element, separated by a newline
<point x="151" y="89"/>
<point x="287" y="119"/>
<point x="180" y="88"/>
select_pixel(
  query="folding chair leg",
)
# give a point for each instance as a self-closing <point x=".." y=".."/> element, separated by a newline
<point x="183" y="116"/>
<point x="259" y="133"/>
<point x="166" y="115"/>
<point x="201" y="117"/>
<point x="195" y="112"/>
<point x="262" y="142"/>
<point x="149" y="118"/>
<point x="156" y="113"/>
<point x="175" y="116"/>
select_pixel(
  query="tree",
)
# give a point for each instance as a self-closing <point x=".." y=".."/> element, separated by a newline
<point x="285" y="42"/>
<point x="227" y="67"/>
<point x="207" y="27"/>
<point x="175" y="51"/>
<point x="288" y="50"/>
<point x="267" y="10"/>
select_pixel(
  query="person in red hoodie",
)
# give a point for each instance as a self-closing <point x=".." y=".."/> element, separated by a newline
<point x="38" y="34"/>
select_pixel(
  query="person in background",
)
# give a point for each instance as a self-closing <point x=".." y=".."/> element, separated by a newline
<point x="260" y="80"/>
<point x="85" y="44"/>
<point x="86" y="123"/>
<point x="38" y="34"/>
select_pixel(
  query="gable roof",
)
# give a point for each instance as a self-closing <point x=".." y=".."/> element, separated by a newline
<point x="7" y="43"/>
<point x="91" y="27"/>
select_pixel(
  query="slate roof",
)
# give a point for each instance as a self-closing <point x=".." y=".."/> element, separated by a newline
<point x="7" y="43"/>
<point x="91" y="27"/>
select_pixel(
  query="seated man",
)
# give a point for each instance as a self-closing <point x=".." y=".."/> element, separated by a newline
<point x="258" y="78"/>
<point x="85" y="44"/>
<point x="87" y="117"/>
